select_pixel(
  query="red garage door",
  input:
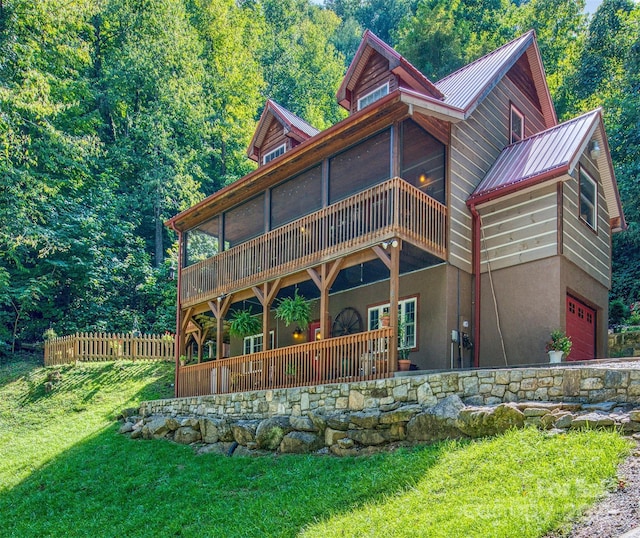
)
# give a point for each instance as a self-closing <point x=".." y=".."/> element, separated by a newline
<point x="581" y="327"/>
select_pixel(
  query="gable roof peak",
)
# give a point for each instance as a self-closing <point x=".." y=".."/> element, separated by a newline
<point x="295" y="127"/>
<point x="398" y="65"/>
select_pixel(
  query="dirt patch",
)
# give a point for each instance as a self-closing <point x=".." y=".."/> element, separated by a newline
<point x="619" y="511"/>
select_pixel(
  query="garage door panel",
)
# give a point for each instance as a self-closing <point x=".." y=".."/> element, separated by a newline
<point x="581" y="327"/>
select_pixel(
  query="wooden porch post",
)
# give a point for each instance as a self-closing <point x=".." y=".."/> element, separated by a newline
<point x="266" y="295"/>
<point x="219" y="310"/>
<point x="394" y="294"/>
<point x="324" y="280"/>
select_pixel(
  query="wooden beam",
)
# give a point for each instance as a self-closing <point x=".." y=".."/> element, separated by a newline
<point x="315" y="277"/>
<point x="384" y="256"/>
<point x="394" y="295"/>
<point x="332" y="273"/>
<point x="186" y="318"/>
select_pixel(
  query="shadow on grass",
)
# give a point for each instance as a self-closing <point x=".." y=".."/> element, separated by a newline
<point x="109" y="485"/>
<point x="89" y="379"/>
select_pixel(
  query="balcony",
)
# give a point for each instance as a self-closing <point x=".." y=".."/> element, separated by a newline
<point x="391" y="209"/>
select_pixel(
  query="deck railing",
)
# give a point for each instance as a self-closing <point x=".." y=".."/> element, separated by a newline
<point x="335" y="360"/>
<point x="393" y="208"/>
<point x="108" y="347"/>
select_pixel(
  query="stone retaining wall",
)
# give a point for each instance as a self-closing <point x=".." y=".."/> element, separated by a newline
<point x="618" y="383"/>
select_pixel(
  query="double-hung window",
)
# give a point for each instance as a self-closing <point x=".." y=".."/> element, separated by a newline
<point x="588" y="199"/>
<point x="408" y="316"/>
<point x="253" y="343"/>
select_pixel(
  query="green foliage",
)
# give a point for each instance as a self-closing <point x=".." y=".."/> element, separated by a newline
<point x="294" y="309"/>
<point x="618" y="312"/>
<point x="560" y="342"/>
<point x="243" y="323"/>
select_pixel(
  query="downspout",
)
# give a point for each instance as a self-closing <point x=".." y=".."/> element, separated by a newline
<point x="476" y="283"/>
<point x="178" y="339"/>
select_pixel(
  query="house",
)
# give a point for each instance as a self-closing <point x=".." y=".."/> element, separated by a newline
<point x="460" y="208"/>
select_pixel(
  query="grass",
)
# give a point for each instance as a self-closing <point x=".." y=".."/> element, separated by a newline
<point x="64" y="471"/>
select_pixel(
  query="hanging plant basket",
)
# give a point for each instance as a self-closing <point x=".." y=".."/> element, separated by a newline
<point x="243" y="323"/>
<point x="294" y="309"/>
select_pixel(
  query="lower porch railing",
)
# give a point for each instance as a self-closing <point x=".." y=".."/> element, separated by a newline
<point x="335" y="360"/>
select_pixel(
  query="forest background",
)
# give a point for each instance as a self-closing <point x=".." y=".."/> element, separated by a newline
<point x="117" y="114"/>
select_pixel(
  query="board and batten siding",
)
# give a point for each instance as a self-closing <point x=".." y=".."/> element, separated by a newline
<point x="475" y="145"/>
<point x="590" y="250"/>
<point x="520" y="229"/>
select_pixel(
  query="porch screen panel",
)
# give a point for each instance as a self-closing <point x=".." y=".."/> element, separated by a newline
<point x="423" y="160"/>
<point x="361" y="166"/>
<point x="244" y="221"/>
<point x="202" y="242"/>
<point x="296" y="197"/>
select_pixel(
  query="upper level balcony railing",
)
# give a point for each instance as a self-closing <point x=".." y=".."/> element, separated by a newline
<point x="391" y="209"/>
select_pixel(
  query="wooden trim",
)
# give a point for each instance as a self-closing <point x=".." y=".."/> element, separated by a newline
<point x="384" y="256"/>
<point x="560" y="217"/>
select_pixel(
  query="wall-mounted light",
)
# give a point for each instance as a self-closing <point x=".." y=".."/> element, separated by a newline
<point x="297" y="333"/>
<point x="594" y="149"/>
<point x="302" y="229"/>
<point x="318" y="336"/>
<point x="393" y="243"/>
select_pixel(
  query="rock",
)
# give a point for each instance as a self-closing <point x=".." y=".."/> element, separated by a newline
<point x="136" y="434"/>
<point x="482" y="422"/>
<point x="185" y="435"/>
<point x="602" y="406"/>
<point x="319" y="421"/>
<point x="592" y="420"/>
<point x="224" y="449"/>
<point x="127" y="427"/>
<point x="564" y="421"/>
<point x="346" y="443"/>
<point x="156" y="428"/>
<point x="300" y="443"/>
<point x="534" y="412"/>
<point x="244" y="431"/>
<point x="635" y="415"/>
<point x="369" y="437"/>
<point x="436" y="423"/>
<point x="337" y="450"/>
<point x="128" y="412"/>
<point x="332" y="436"/>
<point x="338" y="422"/>
<point x="365" y="420"/>
<point x="303" y="424"/>
<point x="214" y="430"/>
<point x="629" y="426"/>
<point x="191" y="422"/>
<point x="243" y="451"/>
<point x="271" y="431"/>
<point x="402" y="414"/>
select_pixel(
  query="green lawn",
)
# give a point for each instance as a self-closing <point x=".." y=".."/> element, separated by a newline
<point x="64" y="471"/>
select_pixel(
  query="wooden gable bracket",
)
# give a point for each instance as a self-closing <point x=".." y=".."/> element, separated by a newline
<point x="385" y="257"/>
<point x="266" y="295"/>
<point x="324" y="280"/>
<point x="219" y="310"/>
<point x="186" y="318"/>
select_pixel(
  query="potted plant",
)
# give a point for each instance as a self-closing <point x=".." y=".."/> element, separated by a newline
<point x="183" y="360"/>
<point x="243" y="323"/>
<point x="559" y="345"/>
<point x="404" y="364"/>
<point x="384" y="320"/>
<point x="294" y="309"/>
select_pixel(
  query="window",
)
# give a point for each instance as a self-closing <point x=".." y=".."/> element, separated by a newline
<point x="588" y="199"/>
<point x="244" y="221"/>
<point x="516" y="125"/>
<point x="373" y="96"/>
<point x="296" y="197"/>
<point x="202" y="242"/>
<point x="274" y="153"/>
<point x="253" y="343"/>
<point x="407" y="312"/>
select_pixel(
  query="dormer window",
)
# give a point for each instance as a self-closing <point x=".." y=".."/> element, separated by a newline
<point x="516" y="125"/>
<point x="373" y="96"/>
<point x="268" y="157"/>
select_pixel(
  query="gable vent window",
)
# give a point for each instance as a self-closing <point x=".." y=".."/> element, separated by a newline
<point x="588" y="199"/>
<point x="516" y="125"/>
<point x="273" y="154"/>
<point x="373" y="96"/>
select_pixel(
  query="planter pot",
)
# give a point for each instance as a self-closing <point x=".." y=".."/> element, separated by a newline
<point x="555" y="356"/>
<point x="384" y="321"/>
<point x="404" y="365"/>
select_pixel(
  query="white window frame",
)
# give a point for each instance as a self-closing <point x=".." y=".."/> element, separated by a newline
<point x="253" y="343"/>
<point x="592" y="205"/>
<point x="513" y="136"/>
<point x="280" y="150"/>
<point x="407" y="310"/>
<point x="373" y="96"/>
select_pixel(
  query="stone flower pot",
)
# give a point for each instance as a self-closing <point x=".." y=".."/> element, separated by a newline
<point x="555" y="356"/>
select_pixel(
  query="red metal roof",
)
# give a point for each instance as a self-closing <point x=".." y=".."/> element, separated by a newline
<point x="473" y="81"/>
<point x="551" y="152"/>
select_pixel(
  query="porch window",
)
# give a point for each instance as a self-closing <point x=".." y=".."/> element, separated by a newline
<point x="516" y="125"/>
<point x="253" y="343"/>
<point x="202" y="242"/>
<point x="373" y="96"/>
<point x="268" y="157"/>
<point x="245" y="221"/>
<point x="296" y="197"/>
<point x="588" y="199"/>
<point x="360" y="167"/>
<point x="423" y="160"/>
<point x="407" y="312"/>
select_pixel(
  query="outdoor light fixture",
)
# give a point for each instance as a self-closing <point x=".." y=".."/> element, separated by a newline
<point x="594" y="149"/>
<point x="392" y="242"/>
<point x="297" y="333"/>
